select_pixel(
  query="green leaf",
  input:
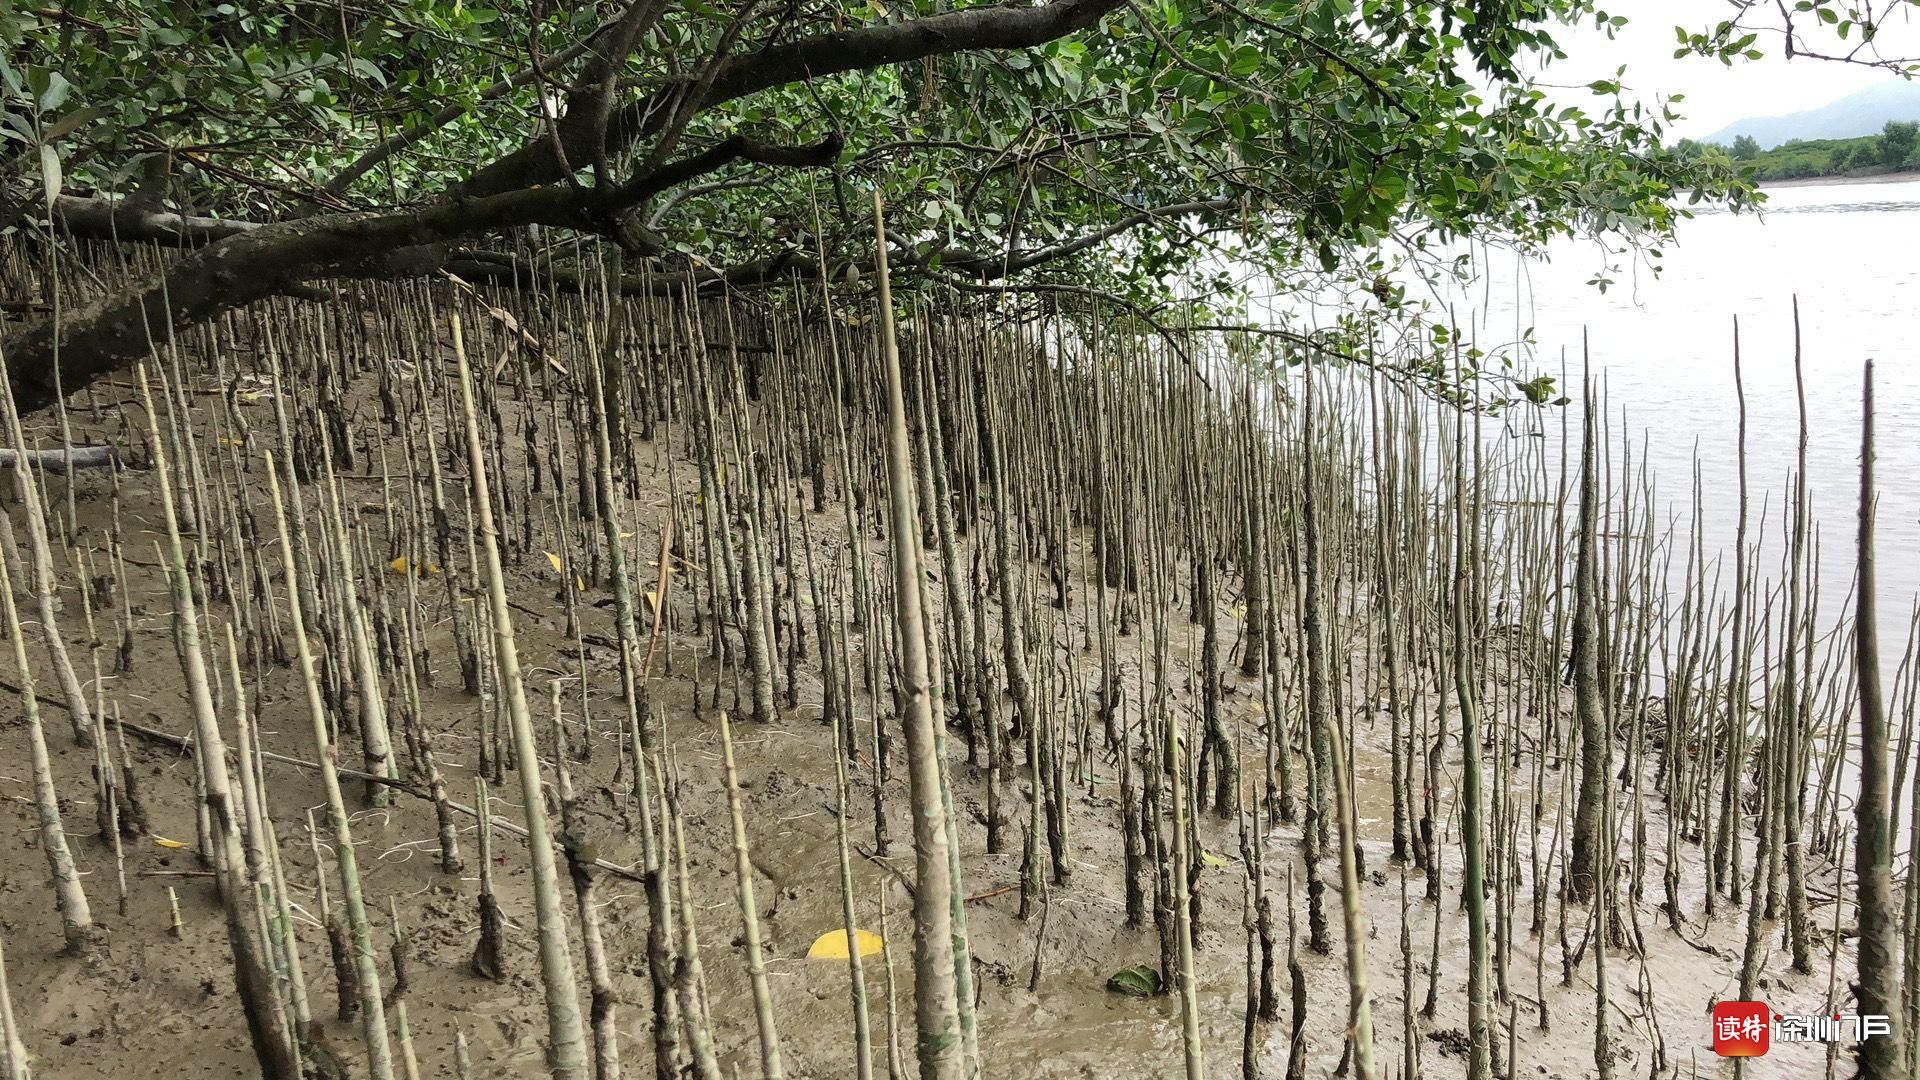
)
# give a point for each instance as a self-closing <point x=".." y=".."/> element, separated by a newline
<point x="55" y="95"/>
<point x="1140" y="980"/>
<point x="50" y="171"/>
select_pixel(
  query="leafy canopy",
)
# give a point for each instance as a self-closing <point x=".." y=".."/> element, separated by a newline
<point x="1321" y="141"/>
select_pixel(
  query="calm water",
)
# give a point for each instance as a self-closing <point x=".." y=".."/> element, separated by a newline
<point x="1664" y="346"/>
<point x="1851" y="255"/>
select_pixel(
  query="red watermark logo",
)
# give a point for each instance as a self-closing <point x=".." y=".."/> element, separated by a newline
<point x="1748" y="1028"/>
<point x="1741" y="1028"/>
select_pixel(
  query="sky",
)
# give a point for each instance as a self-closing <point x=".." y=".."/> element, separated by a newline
<point x="1717" y="95"/>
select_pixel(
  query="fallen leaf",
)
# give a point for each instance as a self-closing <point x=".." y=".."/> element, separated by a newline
<point x="832" y="945"/>
<point x="555" y="560"/>
<point x="1140" y="980"/>
<point x="166" y="843"/>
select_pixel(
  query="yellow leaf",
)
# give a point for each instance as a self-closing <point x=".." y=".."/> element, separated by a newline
<point x="401" y="566"/>
<point x="653" y="600"/>
<point x="580" y="583"/>
<point x="166" y="843"/>
<point x="555" y="560"/>
<point x="832" y="945"/>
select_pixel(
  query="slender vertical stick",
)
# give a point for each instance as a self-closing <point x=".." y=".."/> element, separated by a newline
<point x="40" y="566"/>
<point x="373" y="1018"/>
<point x="1882" y="1058"/>
<point x="936" y="1009"/>
<point x="76" y="918"/>
<point x="690" y="975"/>
<point x="770" y="1066"/>
<point x="1183" y="909"/>
<point x="13" y="1054"/>
<point x="566" y="1048"/>
<point x="856" y="974"/>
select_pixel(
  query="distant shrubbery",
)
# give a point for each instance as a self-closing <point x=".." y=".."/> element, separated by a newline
<point x="1895" y="149"/>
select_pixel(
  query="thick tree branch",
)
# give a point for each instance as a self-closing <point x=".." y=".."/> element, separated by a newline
<point x="111" y="219"/>
<point x="119" y="328"/>
<point x="720" y="155"/>
<point x="248" y="264"/>
<point x="401" y="140"/>
<point x="999" y="26"/>
<point x="592" y="95"/>
<point x="683" y="101"/>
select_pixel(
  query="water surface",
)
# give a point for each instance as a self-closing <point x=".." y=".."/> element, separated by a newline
<point x="1663" y="345"/>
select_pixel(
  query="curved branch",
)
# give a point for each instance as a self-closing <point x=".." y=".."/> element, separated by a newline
<point x="992" y="267"/>
<point x="693" y="191"/>
<point x="1051" y="288"/>
<point x="1022" y="260"/>
<point x="683" y="101"/>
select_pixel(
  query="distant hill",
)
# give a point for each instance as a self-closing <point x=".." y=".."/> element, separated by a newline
<point x="1864" y="112"/>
